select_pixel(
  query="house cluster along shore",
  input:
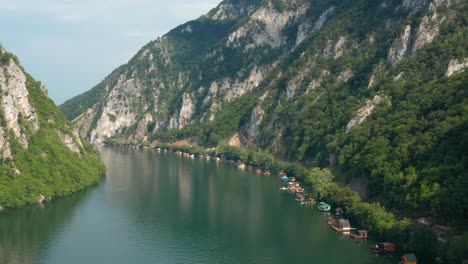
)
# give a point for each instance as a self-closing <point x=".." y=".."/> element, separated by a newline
<point x="337" y="220"/>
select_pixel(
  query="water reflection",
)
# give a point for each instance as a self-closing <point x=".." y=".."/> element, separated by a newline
<point x="161" y="208"/>
<point x="26" y="232"/>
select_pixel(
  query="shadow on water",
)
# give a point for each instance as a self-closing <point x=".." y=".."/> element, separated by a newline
<point x="26" y="232"/>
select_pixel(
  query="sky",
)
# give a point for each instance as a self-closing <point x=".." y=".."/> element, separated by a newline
<point x="71" y="45"/>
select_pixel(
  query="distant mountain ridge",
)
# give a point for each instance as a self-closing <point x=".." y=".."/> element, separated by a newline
<point x="41" y="154"/>
<point x="375" y="90"/>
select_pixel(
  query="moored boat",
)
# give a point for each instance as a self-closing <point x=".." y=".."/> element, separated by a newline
<point x="324" y="207"/>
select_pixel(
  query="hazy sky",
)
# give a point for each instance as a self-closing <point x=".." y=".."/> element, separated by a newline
<point x="71" y="45"/>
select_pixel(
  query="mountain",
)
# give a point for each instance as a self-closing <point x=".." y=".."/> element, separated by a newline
<point x="375" y="90"/>
<point x="41" y="154"/>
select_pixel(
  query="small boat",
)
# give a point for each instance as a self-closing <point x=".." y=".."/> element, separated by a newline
<point x="207" y="157"/>
<point x="285" y="178"/>
<point x="159" y="149"/>
<point x="192" y="156"/>
<point x="383" y="248"/>
<point x="283" y="189"/>
<point x="324" y="207"/>
<point x="358" y="234"/>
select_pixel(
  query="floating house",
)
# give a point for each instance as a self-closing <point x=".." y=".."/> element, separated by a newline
<point x="343" y="226"/>
<point x="267" y="173"/>
<point x="383" y="248"/>
<point x="258" y="171"/>
<point x="292" y="179"/>
<point x="299" y="189"/>
<point x="285" y="178"/>
<point x="339" y="211"/>
<point x="359" y="234"/>
<point x="310" y="201"/>
<point x="409" y="259"/>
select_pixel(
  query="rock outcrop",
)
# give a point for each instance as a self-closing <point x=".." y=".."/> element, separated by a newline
<point x="41" y="153"/>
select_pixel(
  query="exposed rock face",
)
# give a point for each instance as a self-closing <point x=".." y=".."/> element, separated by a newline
<point x="264" y="28"/>
<point x="456" y="66"/>
<point x="119" y="111"/>
<point x="345" y="76"/>
<point x="305" y="28"/>
<point x="187" y="110"/>
<point x="239" y="88"/>
<point x="317" y="82"/>
<point x="364" y="112"/>
<point x="15" y="102"/>
<point x="400" y="47"/>
<point x="427" y="31"/>
<point x="37" y="142"/>
<point x="252" y="128"/>
<point x="70" y="142"/>
<point x="5" y="151"/>
<point x="241" y="47"/>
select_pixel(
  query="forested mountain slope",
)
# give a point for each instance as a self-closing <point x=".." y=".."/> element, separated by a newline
<point x="41" y="153"/>
<point x="376" y="90"/>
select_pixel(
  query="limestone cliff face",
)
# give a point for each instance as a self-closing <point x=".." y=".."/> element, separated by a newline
<point x="241" y="48"/>
<point x="19" y="117"/>
<point x="41" y="153"/>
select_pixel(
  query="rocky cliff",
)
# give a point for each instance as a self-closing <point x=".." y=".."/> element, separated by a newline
<point x="373" y="88"/>
<point x="41" y="154"/>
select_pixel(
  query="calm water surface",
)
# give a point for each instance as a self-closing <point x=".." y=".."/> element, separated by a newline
<point x="161" y="208"/>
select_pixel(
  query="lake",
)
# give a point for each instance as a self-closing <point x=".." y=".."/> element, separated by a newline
<point x="161" y="208"/>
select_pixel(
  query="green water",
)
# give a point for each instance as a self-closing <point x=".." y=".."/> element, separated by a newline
<point x="161" y="208"/>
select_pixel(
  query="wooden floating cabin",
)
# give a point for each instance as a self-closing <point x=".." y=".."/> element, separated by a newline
<point x="359" y="234"/>
<point x="258" y="171"/>
<point x="409" y="259"/>
<point x="343" y="226"/>
<point x="330" y="221"/>
<point x="384" y="248"/>
<point x="267" y="173"/>
<point x="297" y="184"/>
<point x="292" y="179"/>
<point x="292" y="188"/>
<point x="299" y="189"/>
<point x="300" y="197"/>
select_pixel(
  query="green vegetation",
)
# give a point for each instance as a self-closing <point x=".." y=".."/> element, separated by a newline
<point x="47" y="167"/>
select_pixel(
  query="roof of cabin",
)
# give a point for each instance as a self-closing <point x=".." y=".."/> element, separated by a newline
<point x="410" y="257"/>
